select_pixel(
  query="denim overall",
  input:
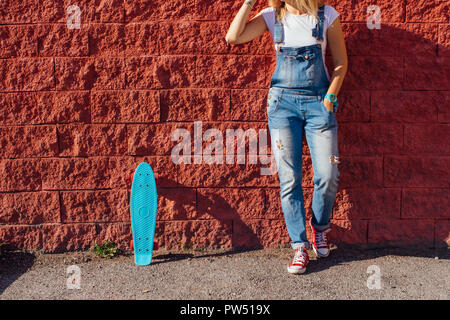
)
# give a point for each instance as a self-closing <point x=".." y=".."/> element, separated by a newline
<point x="295" y="105"/>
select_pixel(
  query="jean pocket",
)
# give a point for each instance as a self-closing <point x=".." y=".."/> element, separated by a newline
<point x="273" y="100"/>
<point x="326" y="109"/>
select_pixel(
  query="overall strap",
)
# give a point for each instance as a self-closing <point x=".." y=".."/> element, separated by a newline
<point x="278" y="31"/>
<point x="317" y="32"/>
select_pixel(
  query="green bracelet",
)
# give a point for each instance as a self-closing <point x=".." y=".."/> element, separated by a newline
<point x="333" y="98"/>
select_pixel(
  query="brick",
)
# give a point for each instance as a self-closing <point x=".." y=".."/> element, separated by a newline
<point x="238" y="139"/>
<point x="68" y="237"/>
<point x="370" y="73"/>
<point x="19" y="108"/>
<point x="427" y="11"/>
<point x="28" y="238"/>
<point x="106" y="39"/>
<point x="361" y="171"/>
<point x="405" y="106"/>
<point x="426" y="73"/>
<point x="230" y="203"/>
<point x="29" y="208"/>
<point x="58" y="40"/>
<point x="63" y="107"/>
<point x="367" y="203"/>
<point x="179" y="37"/>
<point x="119" y="233"/>
<point x="346" y="231"/>
<point x="370" y="138"/>
<point x="444" y="40"/>
<point x="230" y="71"/>
<point x="416" y="171"/>
<point x="428" y="203"/>
<point x="197" y="234"/>
<point x="442" y="238"/>
<point x="125" y="106"/>
<point x="427" y="139"/>
<point x="177" y="204"/>
<point x="258" y="233"/>
<point x="12" y="11"/>
<point x="85" y="173"/>
<point x="28" y="141"/>
<point x="18" y="41"/>
<point x="444" y="107"/>
<point x="195" y="104"/>
<point x="155" y="139"/>
<point x="28" y="74"/>
<point x="160" y="72"/>
<point x="354" y="106"/>
<point x="401" y="232"/>
<point x="141" y="39"/>
<point x="211" y="38"/>
<point x="89" y="73"/>
<point x="95" y="206"/>
<point x="225" y="10"/>
<point x="146" y="10"/>
<point x="20" y="175"/>
<point x="89" y="140"/>
<point x="248" y="105"/>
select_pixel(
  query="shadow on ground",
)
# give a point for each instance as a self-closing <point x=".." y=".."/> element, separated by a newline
<point x="13" y="265"/>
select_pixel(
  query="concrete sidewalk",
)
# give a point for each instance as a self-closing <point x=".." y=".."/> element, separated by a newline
<point x="348" y="273"/>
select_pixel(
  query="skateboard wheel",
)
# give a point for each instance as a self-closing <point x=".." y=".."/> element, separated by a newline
<point x="156" y="177"/>
<point x="155" y="245"/>
<point x="131" y="245"/>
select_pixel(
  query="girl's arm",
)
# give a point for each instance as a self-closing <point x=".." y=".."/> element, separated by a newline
<point x="240" y="30"/>
<point x="338" y="50"/>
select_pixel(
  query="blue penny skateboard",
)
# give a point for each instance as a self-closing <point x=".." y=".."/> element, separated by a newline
<point x="143" y="205"/>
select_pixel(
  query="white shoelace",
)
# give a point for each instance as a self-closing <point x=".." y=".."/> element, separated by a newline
<point x="321" y="237"/>
<point x="300" y="256"/>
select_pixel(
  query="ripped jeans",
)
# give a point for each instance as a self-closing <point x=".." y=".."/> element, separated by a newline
<point x="289" y="115"/>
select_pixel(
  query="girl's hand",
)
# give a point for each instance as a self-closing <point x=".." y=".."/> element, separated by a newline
<point x="328" y="104"/>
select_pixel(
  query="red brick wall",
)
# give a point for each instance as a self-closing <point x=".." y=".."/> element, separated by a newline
<point x="81" y="108"/>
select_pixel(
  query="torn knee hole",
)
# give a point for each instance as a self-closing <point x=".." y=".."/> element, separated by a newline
<point x="334" y="159"/>
<point x="279" y="145"/>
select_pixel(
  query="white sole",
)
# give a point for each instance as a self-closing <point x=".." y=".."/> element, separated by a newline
<point x="296" y="271"/>
<point x="320" y="255"/>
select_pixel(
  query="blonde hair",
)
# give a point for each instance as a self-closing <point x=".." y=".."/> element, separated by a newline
<point x="308" y="6"/>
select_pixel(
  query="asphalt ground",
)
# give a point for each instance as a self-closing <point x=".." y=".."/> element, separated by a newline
<point x="348" y="273"/>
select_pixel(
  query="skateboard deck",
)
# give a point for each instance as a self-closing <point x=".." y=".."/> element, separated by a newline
<point x="143" y="205"/>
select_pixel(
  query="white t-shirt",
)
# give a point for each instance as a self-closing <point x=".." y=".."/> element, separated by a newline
<point x="298" y="28"/>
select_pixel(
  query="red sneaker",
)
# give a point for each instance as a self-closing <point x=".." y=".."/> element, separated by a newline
<point x="320" y="244"/>
<point x="299" y="262"/>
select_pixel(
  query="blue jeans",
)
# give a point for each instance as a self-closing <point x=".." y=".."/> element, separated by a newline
<point x="289" y="113"/>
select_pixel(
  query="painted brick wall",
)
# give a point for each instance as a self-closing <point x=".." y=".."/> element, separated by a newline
<point x="81" y="108"/>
